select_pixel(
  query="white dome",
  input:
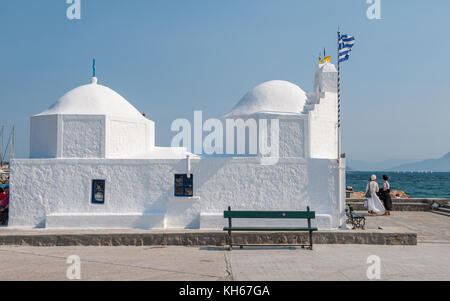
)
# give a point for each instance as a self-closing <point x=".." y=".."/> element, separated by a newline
<point x="93" y="99"/>
<point x="277" y="96"/>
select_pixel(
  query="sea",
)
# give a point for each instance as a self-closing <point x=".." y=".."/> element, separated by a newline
<point x="415" y="184"/>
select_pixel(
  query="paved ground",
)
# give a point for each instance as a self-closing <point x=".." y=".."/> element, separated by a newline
<point x="326" y="262"/>
<point x="112" y="263"/>
<point x="343" y="262"/>
<point x="427" y="261"/>
<point x="430" y="227"/>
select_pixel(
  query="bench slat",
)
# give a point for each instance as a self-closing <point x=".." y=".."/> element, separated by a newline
<point x="269" y="214"/>
<point x="268" y="229"/>
<point x="357" y="215"/>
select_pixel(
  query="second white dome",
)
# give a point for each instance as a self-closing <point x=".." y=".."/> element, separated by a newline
<point x="277" y="97"/>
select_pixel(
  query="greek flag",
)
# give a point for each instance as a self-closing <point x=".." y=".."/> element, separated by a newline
<point x="346" y="43"/>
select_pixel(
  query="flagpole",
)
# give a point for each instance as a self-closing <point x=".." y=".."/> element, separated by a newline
<point x="339" y="98"/>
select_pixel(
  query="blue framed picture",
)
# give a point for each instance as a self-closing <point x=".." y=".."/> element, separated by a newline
<point x="98" y="192"/>
<point x="184" y="185"/>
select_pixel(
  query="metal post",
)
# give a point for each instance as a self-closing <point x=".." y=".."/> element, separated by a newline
<point x="93" y="67"/>
<point x="1" y="154"/>
<point x="339" y="99"/>
<point x="310" y="231"/>
<point x="229" y="230"/>
<point x="11" y="156"/>
<point x="188" y="159"/>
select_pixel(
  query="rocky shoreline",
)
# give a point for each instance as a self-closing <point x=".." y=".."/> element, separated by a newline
<point x="395" y="194"/>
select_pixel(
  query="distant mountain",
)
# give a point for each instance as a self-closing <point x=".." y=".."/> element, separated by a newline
<point x="441" y="164"/>
<point x="377" y="166"/>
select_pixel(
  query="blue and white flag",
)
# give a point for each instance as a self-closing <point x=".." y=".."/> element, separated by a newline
<point x="346" y="43"/>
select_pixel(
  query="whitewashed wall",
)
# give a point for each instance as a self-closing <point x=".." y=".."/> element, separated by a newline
<point x="89" y="136"/>
<point x="323" y="128"/>
<point x="139" y="193"/>
<point x="82" y="136"/>
<point x="44" y="136"/>
<point x="323" y="114"/>
<point x="126" y="137"/>
<point x="245" y="184"/>
<point x="293" y="143"/>
<point x="292" y="138"/>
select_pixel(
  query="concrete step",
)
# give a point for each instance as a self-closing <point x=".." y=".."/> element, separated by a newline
<point x="441" y="212"/>
<point x="43" y="237"/>
<point x="396" y="201"/>
<point x="359" y="206"/>
<point x="443" y="209"/>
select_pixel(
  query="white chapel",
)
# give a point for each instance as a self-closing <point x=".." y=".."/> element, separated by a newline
<point x="94" y="164"/>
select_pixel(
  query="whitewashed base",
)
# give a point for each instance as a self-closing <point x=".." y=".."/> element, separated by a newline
<point x="105" y="221"/>
<point x="217" y="222"/>
<point x="182" y="213"/>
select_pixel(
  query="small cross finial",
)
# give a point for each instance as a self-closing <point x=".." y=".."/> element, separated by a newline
<point x="93" y="68"/>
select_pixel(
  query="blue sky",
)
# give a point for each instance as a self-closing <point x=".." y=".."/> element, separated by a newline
<point x="171" y="57"/>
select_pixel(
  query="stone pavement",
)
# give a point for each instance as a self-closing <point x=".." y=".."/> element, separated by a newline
<point x="326" y="262"/>
<point x="430" y="227"/>
<point x="113" y="263"/>
<point x="342" y="262"/>
<point x="428" y="260"/>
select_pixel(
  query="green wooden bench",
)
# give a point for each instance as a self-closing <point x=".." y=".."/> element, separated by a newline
<point x="269" y="214"/>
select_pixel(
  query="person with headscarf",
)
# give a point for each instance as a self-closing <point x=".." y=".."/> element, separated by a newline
<point x="374" y="204"/>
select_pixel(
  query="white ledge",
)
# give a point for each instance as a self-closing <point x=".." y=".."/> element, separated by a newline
<point x="184" y="199"/>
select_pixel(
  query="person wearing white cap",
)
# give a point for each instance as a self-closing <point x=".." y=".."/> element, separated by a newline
<point x="374" y="204"/>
